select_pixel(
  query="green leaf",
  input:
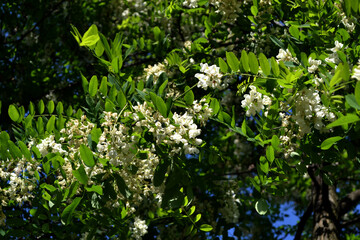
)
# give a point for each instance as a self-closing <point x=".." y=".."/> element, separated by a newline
<point x="161" y="88"/>
<point x="116" y="64"/>
<point x="50" y="107"/>
<point x="349" y="118"/>
<point x="254" y="10"/>
<point x="264" y="64"/>
<point x="206" y="227"/>
<point x="25" y="151"/>
<point x="87" y="156"/>
<point x="157" y="33"/>
<point x="357" y="92"/>
<point x="66" y="215"/>
<point x="261" y="206"/>
<point x="124" y="190"/>
<point x="103" y="86"/>
<point x="80" y="175"/>
<point x="348" y="7"/>
<point x="14" y="150"/>
<point x="294" y="31"/>
<point x="13" y="113"/>
<point x="41" y="107"/>
<point x="270" y="154"/>
<point x="277" y="42"/>
<point x="188" y="230"/>
<point x="99" y="49"/>
<point x="198" y="217"/>
<point x="69" y="111"/>
<point x="351" y="100"/>
<point x="223" y="66"/>
<point x="215" y="106"/>
<point x="232" y="61"/>
<point x="264" y="164"/>
<point x="275" y="142"/>
<point x="95" y="188"/>
<point x="189" y="96"/>
<point x="49" y="187"/>
<point x="275" y="67"/>
<point x="325" y="145"/>
<point x="159" y="104"/>
<point x="59" y="108"/>
<point x="253" y="62"/>
<point x="31" y="108"/>
<point x="159" y="175"/>
<point x="50" y="124"/>
<point x="85" y="83"/>
<point x="93" y="86"/>
<point x="121" y="99"/>
<point x="91" y="36"/>
<point x="338" y="76"/>
<point x="244" y="62"/>
<point x="192" y="210"/>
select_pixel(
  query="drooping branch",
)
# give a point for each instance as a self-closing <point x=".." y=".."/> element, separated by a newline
<point x="303" y="221"/>
<point x="349" y="201"/>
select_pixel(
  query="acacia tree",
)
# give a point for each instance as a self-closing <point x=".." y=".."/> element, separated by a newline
<point x="247" y="105"/>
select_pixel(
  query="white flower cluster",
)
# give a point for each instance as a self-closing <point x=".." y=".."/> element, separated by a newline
<point x="229" y="9"/>
<point x="211" y="78"/>
<point x="285" y="55"/>
<point x="314" y="64"/>
<point x="318" y="80"/>
<point x="119" y="144"/>
<point x="309" y="111"/>
<point x="21" y="182"/>
<point x="333" y="57"/>
<point x="349" y="23"/>
<point x="190" y="3"/>
<point x="201" y="110"/>
<point x="139" y="229"/>
<point x="230" y="210"/>
<point x="180" y="136"/>
<point x="155" y="70"/>
<point x="76" y="133"/>
<point x="48" y="145"/>
<point x="255" y="102"/>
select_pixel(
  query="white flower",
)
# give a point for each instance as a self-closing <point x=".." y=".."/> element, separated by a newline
<point x="190" y="3"/>
<point x="139" y="229"/>
<point x="337" y="47"/>
<point x="254" y="102"/>
<point x="313" y="65"/>
<point x="211" y="78"/>
<point x="285" y="55"/>
<point x="176" y="137"/>
<point x="356" y="73"/>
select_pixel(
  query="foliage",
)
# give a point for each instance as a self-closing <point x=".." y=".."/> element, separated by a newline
<point x="247" y="105"/>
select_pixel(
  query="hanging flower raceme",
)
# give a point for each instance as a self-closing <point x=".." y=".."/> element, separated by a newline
<point x="211" y="78"/>
<point x="255" y="102"/>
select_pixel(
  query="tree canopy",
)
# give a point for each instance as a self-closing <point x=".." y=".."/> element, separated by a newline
<point x="193" y="119"/>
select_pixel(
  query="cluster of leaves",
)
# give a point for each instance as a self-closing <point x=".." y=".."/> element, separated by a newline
<point x="196" y="188"/>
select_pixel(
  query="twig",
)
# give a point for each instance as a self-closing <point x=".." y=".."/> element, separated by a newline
<point x="303" y="221"/>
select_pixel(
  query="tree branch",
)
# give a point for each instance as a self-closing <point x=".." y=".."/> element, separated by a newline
<point x="38" y="23"/>
<point x="348" y="202"/>
<point x="350" y="222"/>
<point x="303" y="221"/>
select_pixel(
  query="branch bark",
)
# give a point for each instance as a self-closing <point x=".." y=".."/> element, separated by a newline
<point x="349" y="202"/>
